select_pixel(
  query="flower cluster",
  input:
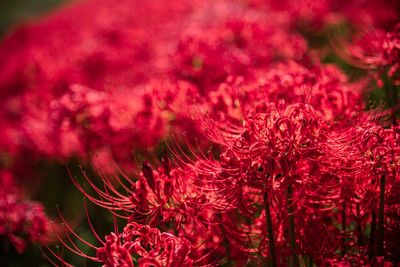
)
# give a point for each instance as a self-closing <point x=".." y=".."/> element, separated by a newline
<point x="22" y="221"/>
<point x="149" y="245"/>
<point x="272" y="154"/>
<point x="378" y="49"/>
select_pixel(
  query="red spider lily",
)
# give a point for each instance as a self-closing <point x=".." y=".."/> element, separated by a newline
<point x="149" y="245"/>
<point x="324" y="88"/>
<point x="284" y="170"/>
<point x="23" y="222"/>
<point x="378" y="49"/>
<point x="136" y="244"/>
<point x="276" y="148"/>
<point x="299" y="171"/>
<point x="21" y="218"/>
<point x="168" y="196"/>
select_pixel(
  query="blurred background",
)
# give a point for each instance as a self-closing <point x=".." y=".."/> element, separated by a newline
<point x="55" y="189"/>
<point x="15" y="12"/>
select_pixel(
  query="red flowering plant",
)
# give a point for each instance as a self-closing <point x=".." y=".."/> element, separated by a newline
<point x="280" y="163"/>
<point x="23" y="222"/>
<point x="282" y="170"/>
<point x="377" y="51"/>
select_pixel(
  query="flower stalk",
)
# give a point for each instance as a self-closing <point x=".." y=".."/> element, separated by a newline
<point x="380" y="234"/>
<point x="292" y="235"/>
<point x="372" y="233"/>
<point x="359" y="226"/>
<point x="344" y="227"/>
<point x="270" y="232"/>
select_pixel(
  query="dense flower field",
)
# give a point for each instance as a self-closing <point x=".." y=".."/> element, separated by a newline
<point x="209" y="133"/>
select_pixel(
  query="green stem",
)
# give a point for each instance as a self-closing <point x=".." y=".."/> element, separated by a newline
<point x="292" y="235"/>
<point x="371" y="253"/>
<point x="270" y="232"/>
<point x="359" y="226"/>
<point x="309" y="261"/>
<point x="344" y="227"/>
<point x="344" y="216"/>
<point x="381" y="214"/>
